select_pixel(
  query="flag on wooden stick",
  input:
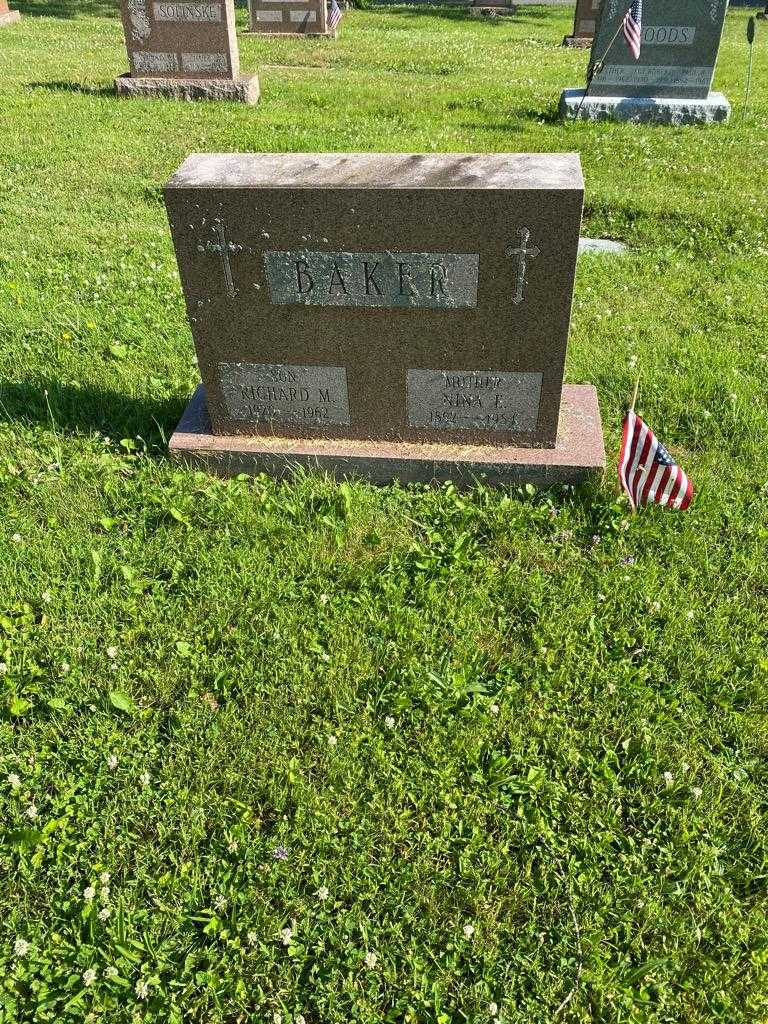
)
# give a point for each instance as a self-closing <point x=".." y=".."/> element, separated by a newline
<point x="647" y="471"/>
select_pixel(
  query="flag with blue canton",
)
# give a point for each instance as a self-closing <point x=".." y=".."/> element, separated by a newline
<point x="632" y="26"/>
<point x="334" y="15"/>
<point x="647" y="471"/>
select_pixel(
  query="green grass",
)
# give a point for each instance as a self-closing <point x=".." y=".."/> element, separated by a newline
<point x="508" y="677"/>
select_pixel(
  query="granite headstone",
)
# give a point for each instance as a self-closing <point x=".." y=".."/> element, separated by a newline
<point x="183" y="48"/>
<point x="671" y="80"/>
<point x="384" y="307"/>
<point x="7" y="16"/>
<point x="289" y="17"/>
<point x="584" y="24"/>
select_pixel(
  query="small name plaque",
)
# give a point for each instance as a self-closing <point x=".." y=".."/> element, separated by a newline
<point x="187" y="12"/>
<point x="474" y="400"/>
<point x="655" y="74"/>
<point x="668" y="35"/>
<point x="411" y="280"/>
<point x="304" y="396"/>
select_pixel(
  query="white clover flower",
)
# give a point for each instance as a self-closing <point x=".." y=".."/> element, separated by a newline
<point x="89" y="976"/>
<point x="332" y="741"/>
<point x="277" y="1018"/>
<point x="89" y="894"/>
<point x="31" y="812"/>
<point x="252" y="938"/>
<point x="46" y="597"/>
<point x="20" y="947"/>
<point x="104" y="877"/>
<point x="104" y="894"/>
<point x="142" y="989"/>
<point x="232" y="846"/>
<point x="111" y="972"/>
<point x="371" y="959"/>
<point x="469" y="931"/>
<point x="65" y="667"/>
<point x="112" y="762"/>
<point x="389" y="722"/>
<point x="112" y="653"/>
<point x="493" y="1009"/>
<point x="299" y="1019"/>
<point x="322" y="893"/>
<point x="16" y="538"/>
<point x="286" y="935"/>
<point x="494" y="709"/>
<point x="668" y="777"/>
<point x="14" y="781"/>
<point x="696" y="792"/>
<point x="144" y="779"/>
<point x="324" y="599"/>
<point x="685" y="766"/>
<point x="104" y="913"/>
<point x="219" y="902"/>
<point x="3" y="668"/>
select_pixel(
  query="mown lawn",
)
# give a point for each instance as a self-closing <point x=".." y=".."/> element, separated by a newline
<point x="471" y="749"/>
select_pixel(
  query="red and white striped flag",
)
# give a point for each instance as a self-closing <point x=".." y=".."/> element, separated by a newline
<point x="632" y="26"/>
<point x="647" y="471"/>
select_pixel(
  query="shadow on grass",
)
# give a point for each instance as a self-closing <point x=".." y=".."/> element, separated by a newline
<point x="83" y="410"/>
<point x="79" y="87"/>
<point x="458" y="12"/>
<point x="67" y="8"/>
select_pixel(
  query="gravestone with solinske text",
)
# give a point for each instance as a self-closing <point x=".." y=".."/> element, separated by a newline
<point x="393" y="315"/>
<point x="671" y="82"/>
<point x="184" y="49"/>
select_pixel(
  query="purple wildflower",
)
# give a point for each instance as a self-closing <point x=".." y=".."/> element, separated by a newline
<point x="280" y="853"/>
<point x="628" y="560"/>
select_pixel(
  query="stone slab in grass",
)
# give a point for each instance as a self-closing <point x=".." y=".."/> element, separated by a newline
<point x="183" y="50"/>
<point x="7" y="16"/>
<point x="578" y="454"/>
<point x="584" y="24"/>
<point x="715" y="109"/>
<point x="382" y="298"/>
<point x="289" y="17"/>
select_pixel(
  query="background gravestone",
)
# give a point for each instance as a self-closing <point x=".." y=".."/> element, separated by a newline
<point x="7" y="16"/>
<point x="390" y="310"/>
<point x="289" y="17"/>
<point x="672" y="79"/>
<point x="184" y="49"/>
<point x="584" y="24"/>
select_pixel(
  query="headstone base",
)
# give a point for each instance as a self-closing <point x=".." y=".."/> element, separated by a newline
<point x="578" y="42"/>
<point x="644" y="110"/>
<point x="9" y="18"/>
<point x="579" y="452"/>
<point x="244" y="89"/>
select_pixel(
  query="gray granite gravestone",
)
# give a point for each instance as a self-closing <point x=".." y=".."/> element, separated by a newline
<point x="289" y="17"/>
<point x="391" y="315"/>
<point x="185" y="50"/>
<point x="671" y="81"/>
<point x="7" y="16"/>
<point x="584" y="24"/>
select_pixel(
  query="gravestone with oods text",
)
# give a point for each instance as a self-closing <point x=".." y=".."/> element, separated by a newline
<point x="289" y="17"/>
<point x="392" y="316"/>
<point x="671" y="82"/>
<point x="584" y="24"/>
<point x="183" y="49"/>
<point x="7" y="16"/>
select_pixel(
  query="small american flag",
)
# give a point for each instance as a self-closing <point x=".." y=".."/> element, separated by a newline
<point x="647" y="471"/>
<point x="633" y="27"/>
<point x="334" y="15"/>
